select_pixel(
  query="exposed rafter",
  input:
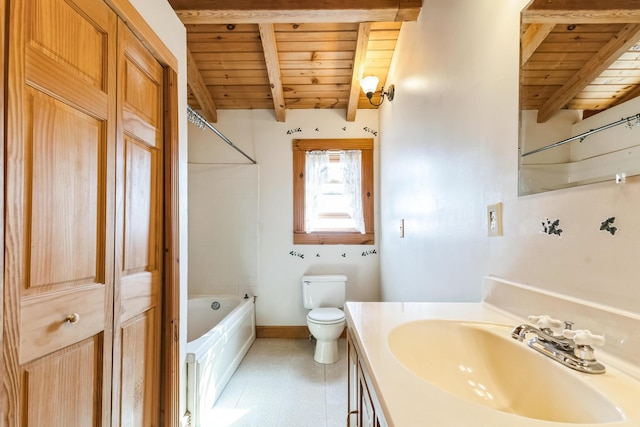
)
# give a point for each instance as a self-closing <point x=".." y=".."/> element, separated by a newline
<point x="358" y="66"/>
<point x="199" y="88"/>
<point x="533" y="36"/>
<point x="581" y="12"/>
<point x="268" y="37"/>
<point x="286" y="54"/>
<point x="626" y="38"/>
<point x="302" y="11"/>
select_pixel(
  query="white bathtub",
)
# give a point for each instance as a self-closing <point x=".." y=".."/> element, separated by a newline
<point x="217" y="340"/>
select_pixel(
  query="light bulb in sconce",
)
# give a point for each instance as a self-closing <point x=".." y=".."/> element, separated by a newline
<point x="369" y="85"/>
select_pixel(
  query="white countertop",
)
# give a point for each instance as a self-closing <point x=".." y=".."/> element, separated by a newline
<point x="407" y="400"/>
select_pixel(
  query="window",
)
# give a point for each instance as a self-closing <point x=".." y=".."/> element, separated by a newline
<point x="333" y="191"/>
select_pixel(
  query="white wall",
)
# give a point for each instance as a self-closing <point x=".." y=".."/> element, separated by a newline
<point x="534" y="135"/>
<point x="598" y="157"/>
<point x="223" y="234"/>
<point x="445" y="142"/>
<point x="256" y="132"/>
<point x="165" y="23"/>
<point x="616" y="138"/>
<point x="449" y="148"/>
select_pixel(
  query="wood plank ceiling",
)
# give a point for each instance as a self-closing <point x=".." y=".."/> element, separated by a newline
<point x="285" y="54"/>
<point x="579" y="54"/>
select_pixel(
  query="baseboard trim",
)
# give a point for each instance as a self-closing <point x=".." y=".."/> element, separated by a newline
<point x="282" y="332"/>
<point x="296" y="332"/>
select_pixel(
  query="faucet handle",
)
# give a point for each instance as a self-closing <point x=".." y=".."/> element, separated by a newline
<point x="583" y="337"/>
<point x="545" y="321"/>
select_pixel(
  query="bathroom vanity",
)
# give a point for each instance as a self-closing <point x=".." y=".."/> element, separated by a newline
<point x="364" y="406"/>
<point x="400" y="376"/>
<point x="381" y="392"/>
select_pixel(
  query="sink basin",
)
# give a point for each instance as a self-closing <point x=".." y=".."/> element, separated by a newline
<point x="480" y="362"/>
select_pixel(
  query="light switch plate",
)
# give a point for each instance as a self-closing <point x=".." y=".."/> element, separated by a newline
<point x="494" y="220"/>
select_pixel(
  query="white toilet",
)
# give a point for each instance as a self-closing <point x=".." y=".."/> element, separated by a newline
<point x="325" y="296"/>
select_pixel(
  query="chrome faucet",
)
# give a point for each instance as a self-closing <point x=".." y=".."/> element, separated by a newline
<point x="544" y="332"/>
<point x="572" y="348"/>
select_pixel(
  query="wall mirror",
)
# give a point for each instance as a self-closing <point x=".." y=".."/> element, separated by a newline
<point x="579" y="87"/>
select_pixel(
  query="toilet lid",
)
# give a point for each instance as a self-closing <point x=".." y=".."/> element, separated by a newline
<point x="326" y="315"/>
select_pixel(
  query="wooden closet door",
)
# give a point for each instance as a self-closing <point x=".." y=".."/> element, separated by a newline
<point x="138" y="234"/>
<point x="60" y="198"/>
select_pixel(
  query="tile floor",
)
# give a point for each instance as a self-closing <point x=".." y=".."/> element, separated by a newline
<point x="278" y="384"/>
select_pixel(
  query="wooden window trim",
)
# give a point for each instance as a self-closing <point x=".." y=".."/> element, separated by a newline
<point x="300" y="236"/>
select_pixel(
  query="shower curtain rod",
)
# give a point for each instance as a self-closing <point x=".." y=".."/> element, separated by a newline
<point x="194" y="117"/>
<point x="582" y="136"/>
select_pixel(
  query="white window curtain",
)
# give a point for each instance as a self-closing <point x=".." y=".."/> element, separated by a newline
<point x="317" y="172"/>
<point x="352" y="178"/>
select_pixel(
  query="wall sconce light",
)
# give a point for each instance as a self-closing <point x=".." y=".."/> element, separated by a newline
<point x="369" y="85"/>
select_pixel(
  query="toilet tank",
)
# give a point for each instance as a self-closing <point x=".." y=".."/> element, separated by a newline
<point x="328" y="290"/>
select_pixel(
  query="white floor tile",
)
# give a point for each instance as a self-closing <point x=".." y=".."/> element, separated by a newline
<point x="278" y="384"/>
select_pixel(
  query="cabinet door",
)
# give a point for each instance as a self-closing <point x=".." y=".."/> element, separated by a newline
<point x="353" y="384"/>
<point x="139" y="225"/>
<point x="58" y="273"/>
<point x="367" y="414"/>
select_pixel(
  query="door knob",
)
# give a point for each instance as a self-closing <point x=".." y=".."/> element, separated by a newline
<point x="73" y="318"/>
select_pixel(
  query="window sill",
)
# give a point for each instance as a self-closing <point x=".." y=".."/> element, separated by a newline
<point x="333" y="238"/>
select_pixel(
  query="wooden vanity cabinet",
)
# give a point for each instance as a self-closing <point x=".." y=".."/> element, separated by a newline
<point x="364" y="408"/>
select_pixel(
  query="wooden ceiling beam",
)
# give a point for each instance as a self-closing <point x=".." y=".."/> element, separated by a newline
<point x="408" y="10"/>
<point x="268" y="37"/>
<point x="533" y="36"/>
<point x="582" y="12"/>
<point x="364" y="30"/>
<point x="301" y="11"/>
<point x="622" y="42"/>
<point x="199" y="89"/>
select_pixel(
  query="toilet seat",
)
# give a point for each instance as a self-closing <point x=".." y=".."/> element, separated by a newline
<point x="326" y="316"/>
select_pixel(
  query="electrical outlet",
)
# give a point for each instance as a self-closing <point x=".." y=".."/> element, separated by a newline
<point x="494" y="220"/>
